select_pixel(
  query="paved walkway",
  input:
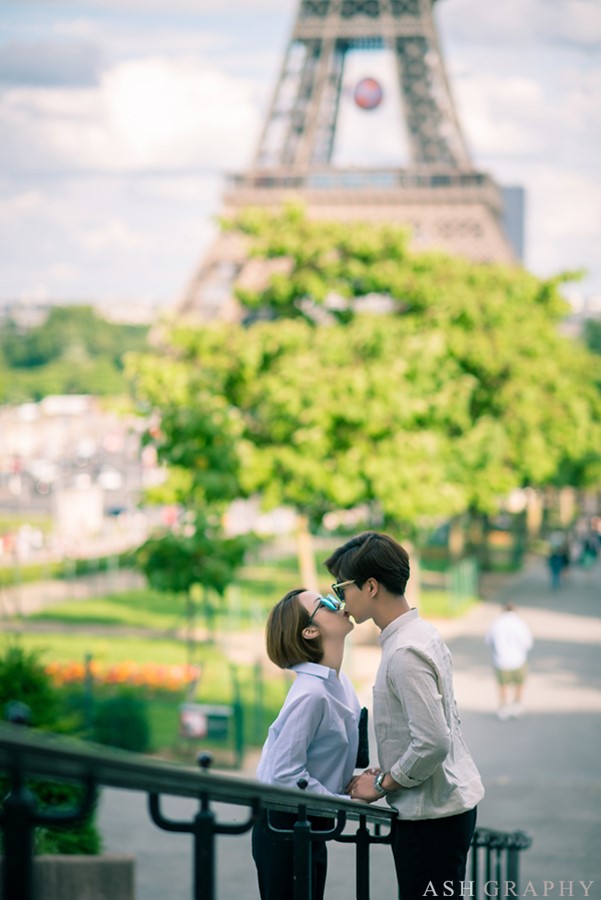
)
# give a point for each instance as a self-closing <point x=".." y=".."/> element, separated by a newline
<point x="542" y="773"/>
<point x="31" y="597"/>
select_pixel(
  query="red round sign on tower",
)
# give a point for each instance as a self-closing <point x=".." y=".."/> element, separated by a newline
<point x="368" y="93"/>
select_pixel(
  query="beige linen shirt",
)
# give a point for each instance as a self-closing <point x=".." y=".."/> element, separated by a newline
<point x="417" y="724"/>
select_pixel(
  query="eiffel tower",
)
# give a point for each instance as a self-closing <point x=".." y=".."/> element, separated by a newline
<point x="436" y="191"/>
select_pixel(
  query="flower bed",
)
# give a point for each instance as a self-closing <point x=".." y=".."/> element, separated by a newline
<point x="128" y="673"/>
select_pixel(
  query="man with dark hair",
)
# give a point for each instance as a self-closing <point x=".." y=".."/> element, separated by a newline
<point x="427" y="774"/>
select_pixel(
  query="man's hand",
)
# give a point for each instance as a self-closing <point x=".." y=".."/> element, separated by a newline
<point x="351" y="785"/>
<point x="361" y="787"/>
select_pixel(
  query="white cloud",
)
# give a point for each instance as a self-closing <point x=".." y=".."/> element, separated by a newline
<point x="37" y="292"/>
<point x="569" y="204"/>
<point x="110" y="235"/>
<point x="183" y="113"/>
<point x="21" y="203"/>
<point x="578" y="20"/>
<point x="148" y="113"/>
<point x="120" y="236"/>
<point x="503" y="115"/>
<point x="49" y="128"/>
<point x="63" y="272"/>
<point x="76" y="28"/>
<point x="50" y="61"/>
<point x="195" y="6"/>
<point x="523" y="21"/>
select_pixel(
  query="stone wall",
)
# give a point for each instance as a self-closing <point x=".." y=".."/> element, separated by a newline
<point x="83" y="878"/>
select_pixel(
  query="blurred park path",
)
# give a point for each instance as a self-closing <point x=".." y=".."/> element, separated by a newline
<point x="31" y="597"/>
<point x="542" y="772"/>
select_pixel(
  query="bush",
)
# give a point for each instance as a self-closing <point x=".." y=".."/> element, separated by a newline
<point x="23" y="679"/>
<point x="123" y="722"/>
<point x="54" y="796"/>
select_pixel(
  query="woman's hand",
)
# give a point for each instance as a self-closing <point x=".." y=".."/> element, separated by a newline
<point x="358" y="786"/>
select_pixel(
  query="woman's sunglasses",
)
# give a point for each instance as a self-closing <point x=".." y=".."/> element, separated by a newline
<point x="339" y="589"/>
<point x="331" y="603"/>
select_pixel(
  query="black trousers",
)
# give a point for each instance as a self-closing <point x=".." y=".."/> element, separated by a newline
<point x="429" y="852"/>
<point x="274" y="859"/>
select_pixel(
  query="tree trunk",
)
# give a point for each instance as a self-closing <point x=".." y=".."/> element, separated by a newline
<point x="306" y="555"/>
<point x="456" y="539"/>
<point x="534" y="513"/>
<point x="190" y="636"/>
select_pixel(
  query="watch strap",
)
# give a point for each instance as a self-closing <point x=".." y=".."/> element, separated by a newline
<point x="378" y="783"/>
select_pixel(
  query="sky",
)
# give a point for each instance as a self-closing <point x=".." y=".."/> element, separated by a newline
<point x="119" y="118"/>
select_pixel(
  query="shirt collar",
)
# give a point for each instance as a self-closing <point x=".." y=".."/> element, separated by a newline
<point x="396" y="625"/>
<point x="310" y="668"/>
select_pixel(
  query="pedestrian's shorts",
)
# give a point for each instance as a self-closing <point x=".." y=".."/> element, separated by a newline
<point x="511" y="676"/>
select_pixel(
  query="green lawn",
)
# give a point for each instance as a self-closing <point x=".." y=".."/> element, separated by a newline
<point x="261" y="697"/>
<point x="142" y="608"/>
<point x="440" y="604"/>
<point x="245" y="604"/>
<point x="106" y="650"/>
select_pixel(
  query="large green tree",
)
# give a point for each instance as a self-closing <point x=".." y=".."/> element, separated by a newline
<point x="417" y="384"/>
<point x="196" y="438"/>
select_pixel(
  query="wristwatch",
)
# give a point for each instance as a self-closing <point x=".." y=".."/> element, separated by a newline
<point x="378" y="783"/>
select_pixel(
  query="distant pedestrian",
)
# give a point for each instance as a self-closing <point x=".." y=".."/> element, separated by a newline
<point x="511" y="641"/>
<point x="589" y="551"/>
<point x="557" y="566"/>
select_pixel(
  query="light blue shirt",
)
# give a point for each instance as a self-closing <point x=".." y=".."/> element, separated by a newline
<point x="316" y="734"/>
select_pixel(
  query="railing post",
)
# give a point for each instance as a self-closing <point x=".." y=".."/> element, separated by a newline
<point x="476" y="866"/>
<point x="303" y="887"/>
<point x="302" y="857"/>
<point x="362" y="860"/>
<point x="203" y="827"/>
<point x="513" y="865"/>
<point x="17" y="819"/>
<point x="204" y="852"/>
<point x="501" y="859"/>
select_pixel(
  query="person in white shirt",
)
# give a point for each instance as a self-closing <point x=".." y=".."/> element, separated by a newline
<point x="316" y="734"/>
<point x="510" y="640"/>
<point x="427" y="773"/>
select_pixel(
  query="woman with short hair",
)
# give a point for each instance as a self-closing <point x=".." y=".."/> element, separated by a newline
<point x="316" y="734"/>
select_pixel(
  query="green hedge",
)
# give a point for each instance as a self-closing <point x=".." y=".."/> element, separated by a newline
<point x="82" y="839"/>
<point x="122" y="721"/>
<point x="23" y="680"/>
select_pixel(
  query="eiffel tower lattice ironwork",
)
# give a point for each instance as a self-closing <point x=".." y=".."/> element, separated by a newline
<point x="439" y="195"/>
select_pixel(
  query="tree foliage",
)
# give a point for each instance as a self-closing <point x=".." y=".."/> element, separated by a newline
<point x="177" y="562"/>
<point x="462" y="390"/>
<point x="196" y="438"/>
<point x="74" y="350"/>
<point x="592" y="335"/>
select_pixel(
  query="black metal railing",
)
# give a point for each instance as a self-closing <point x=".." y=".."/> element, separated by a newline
<point x="24" y="754"/>
<point x="495" y="862"/>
